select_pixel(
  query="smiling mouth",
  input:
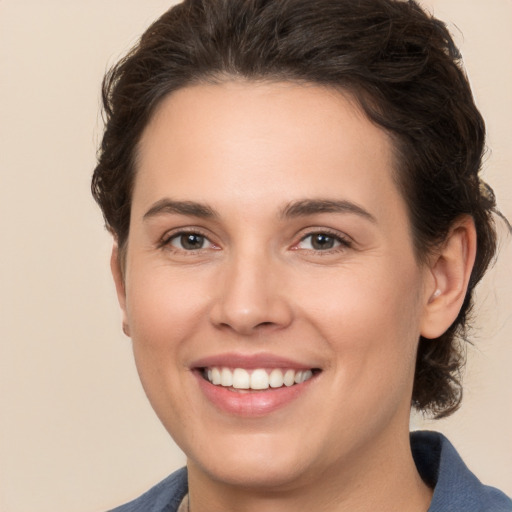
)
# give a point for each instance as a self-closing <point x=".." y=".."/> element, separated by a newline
<point x="259" y="379"/>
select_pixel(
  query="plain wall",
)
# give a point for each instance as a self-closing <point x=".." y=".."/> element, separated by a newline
<point x="76" y="431"/>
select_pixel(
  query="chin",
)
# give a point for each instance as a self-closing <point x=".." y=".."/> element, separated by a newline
<point x="265" y="461"/>
<point x="263" y="472"/>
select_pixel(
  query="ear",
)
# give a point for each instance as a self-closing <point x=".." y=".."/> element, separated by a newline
<point x="117" y="274"/>
<point x="450" y="268"/>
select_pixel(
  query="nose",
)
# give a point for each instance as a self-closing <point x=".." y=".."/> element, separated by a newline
<point x="251" y="297"/>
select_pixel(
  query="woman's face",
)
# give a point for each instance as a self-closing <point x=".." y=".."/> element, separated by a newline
<point x="269" y="243"/>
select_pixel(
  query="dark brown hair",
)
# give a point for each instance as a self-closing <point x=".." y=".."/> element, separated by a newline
<point x="401" y="65"/>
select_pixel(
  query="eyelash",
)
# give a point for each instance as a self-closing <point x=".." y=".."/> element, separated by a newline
<point x="165" y="242"/>
<point x="342" y="241"/>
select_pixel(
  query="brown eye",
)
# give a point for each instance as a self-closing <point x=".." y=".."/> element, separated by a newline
<point x="322" y="242"/>
<point x="188" y="241"/>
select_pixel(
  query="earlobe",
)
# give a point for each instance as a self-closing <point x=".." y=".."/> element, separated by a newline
<point x="451" y="269"/>
<point x="117" y="274"/>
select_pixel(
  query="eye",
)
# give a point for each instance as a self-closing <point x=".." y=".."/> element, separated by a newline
<point x="189" y="241"/>
<point x="322" y="241"/>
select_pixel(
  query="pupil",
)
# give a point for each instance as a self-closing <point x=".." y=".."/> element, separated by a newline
<point x="192" y="241"/>
<point x="322" y="241"/>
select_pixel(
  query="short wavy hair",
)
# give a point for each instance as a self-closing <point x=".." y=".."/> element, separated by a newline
<point x="400" y="64"/>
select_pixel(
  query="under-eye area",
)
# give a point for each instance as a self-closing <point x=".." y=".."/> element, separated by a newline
<point x="257" y="379"/>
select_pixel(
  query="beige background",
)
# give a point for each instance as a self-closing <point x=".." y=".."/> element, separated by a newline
<point x="76" y="433"/>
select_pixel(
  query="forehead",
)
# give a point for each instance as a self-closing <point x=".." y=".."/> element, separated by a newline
<point x="244" y="141"/>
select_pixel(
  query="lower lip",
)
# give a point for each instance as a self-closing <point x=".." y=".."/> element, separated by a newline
<point x="251" y="403"/>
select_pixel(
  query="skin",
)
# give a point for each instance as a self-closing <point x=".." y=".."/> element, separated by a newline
<point x="257" y="285"/>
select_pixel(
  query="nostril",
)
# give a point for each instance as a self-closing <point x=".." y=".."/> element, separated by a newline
<point x="265" y="324"/>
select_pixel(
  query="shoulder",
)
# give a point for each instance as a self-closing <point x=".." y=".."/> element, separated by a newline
<point x="163" y="497"/>
<point x="456" y="488"/>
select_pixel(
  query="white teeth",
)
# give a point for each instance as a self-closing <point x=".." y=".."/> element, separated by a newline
<point x="241" y="378"/>
<point x="215" y="377"/>
<point x="307" y="375"/>
<point x="226" y="377"/>
<point x="276" y="379"/>
<point x="289" y="378"/>
<point x="303" y="376"/>
<point x="258" y="379"/>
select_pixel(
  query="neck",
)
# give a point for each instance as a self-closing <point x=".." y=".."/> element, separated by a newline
<point x="385" y="479"/>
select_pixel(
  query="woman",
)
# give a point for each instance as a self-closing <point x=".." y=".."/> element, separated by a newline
<point x="299" y="225"/>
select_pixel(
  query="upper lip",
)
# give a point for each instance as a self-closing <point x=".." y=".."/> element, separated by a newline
<point x="250" y="361"/>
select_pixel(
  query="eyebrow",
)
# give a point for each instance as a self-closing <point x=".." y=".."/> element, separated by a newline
<point x="312" y="206"/>
<point x="299" y="208"/>
<point x="192" y="208"/>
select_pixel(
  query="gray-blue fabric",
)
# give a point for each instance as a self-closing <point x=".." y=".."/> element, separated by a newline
<point x="456" y="489"/>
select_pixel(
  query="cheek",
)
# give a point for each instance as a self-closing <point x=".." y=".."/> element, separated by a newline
<point x="164" y="311"/>
<point x="371" y="322"/>
<point x="364" y="297"/>
<point x="164" y="307"/>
